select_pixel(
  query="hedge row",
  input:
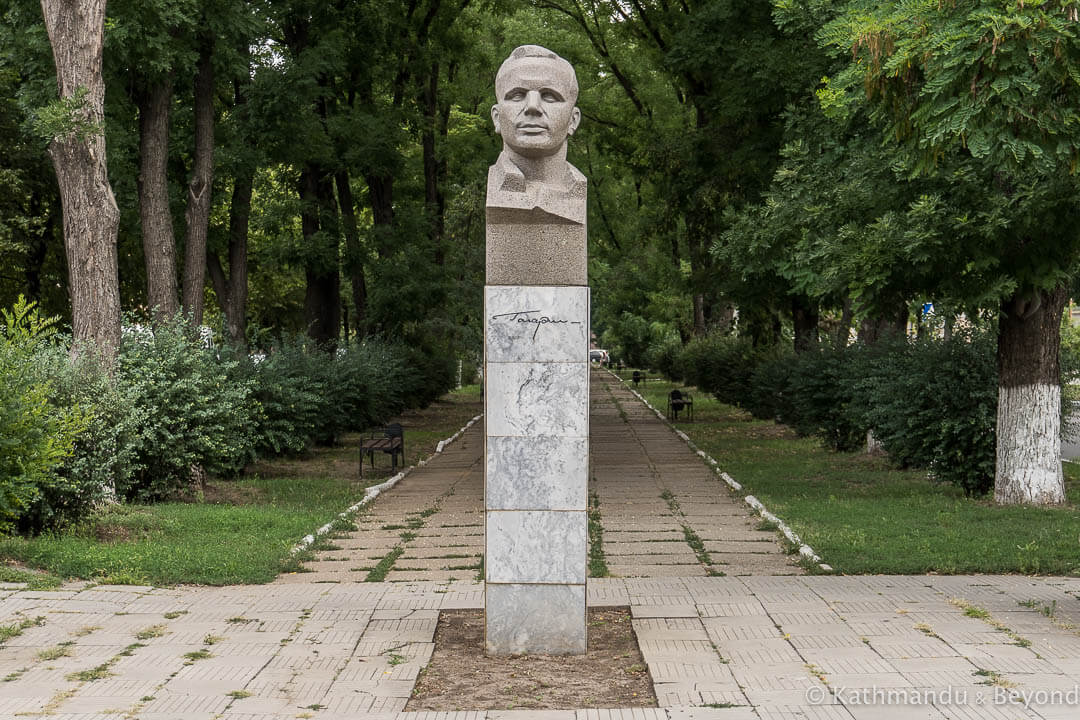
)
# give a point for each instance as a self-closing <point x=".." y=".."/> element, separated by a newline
<point x="931" y="403"/>
<point x="72" y="436"/>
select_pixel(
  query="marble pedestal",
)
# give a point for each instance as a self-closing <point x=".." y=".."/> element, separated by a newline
<point x="536" y="395"/>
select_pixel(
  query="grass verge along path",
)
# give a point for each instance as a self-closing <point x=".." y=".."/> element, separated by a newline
<point x="863" y="516"/>
<point x="243" y="531"/>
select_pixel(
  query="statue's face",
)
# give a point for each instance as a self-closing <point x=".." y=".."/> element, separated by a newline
<point x="535" y="109"/>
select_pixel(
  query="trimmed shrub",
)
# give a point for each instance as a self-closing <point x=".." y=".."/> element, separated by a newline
<point x="769" y="397"/>
<point x="428" y="372"/>
<point x="930" y="403"/>
<point x="933" y="404"/>
<point x="73" y="436"/>
<point x="196" y="411"/>
<point x="663" y="356"/>
<point x="104" y="453"/>
<point x="291" y="396"/>
<point x="35" y="436"/>
<point x="308" y="396"/>
<point x="819" y="393"/>
<point x="721" y="365"/>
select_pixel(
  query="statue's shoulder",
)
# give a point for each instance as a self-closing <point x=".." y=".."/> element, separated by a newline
<point x="505" y="176"/>
<point x="578" y="184"/>
<point x="511" y="199"/>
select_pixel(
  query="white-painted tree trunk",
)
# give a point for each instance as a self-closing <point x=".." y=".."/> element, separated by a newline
<point x="1029" y="445"/>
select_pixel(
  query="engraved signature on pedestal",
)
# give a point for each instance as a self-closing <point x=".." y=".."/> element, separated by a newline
<point x="531" y="316"/>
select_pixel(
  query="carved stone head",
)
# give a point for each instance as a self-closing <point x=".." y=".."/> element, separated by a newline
<point x="535" y="111"/>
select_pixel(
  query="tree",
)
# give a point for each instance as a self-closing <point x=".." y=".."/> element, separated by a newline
<point x="991" y="91"/>
<point x="159" y="245"/>
<point x="231" y="290"/>
<point x="76" y="31"/>
<point x="146" y="52"/>
<point x="201" y="184"/>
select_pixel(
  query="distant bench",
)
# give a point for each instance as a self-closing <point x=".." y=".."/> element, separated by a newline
<point x="392" y="441"/>
<point x="679" y="401"/>
<point x="639" y="377"/>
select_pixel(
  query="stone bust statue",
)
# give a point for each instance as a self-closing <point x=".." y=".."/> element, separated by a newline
<point x="535" y="112"/>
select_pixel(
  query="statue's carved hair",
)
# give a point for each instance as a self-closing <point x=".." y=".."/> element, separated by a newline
<point x="524" y="51"/>
<point x="536" y="51"/>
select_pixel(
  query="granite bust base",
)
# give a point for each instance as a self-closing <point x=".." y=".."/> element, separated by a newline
<point x="537" y="253"/>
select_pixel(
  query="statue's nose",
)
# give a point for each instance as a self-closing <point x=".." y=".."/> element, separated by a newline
<point x="532" y="103"/>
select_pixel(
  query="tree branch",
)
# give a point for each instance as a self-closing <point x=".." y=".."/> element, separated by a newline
<point x="653" y="30"/>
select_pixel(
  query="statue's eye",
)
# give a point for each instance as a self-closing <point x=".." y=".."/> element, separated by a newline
<point x="551" y="96"/>
<point x="516" y="95"/>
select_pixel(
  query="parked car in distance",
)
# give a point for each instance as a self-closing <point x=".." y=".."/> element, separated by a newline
<point x="600" y="356"/>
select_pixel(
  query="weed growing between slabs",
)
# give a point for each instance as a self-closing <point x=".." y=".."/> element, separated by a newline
<point x="863" y="516"/>
<point x="243" y="531"/>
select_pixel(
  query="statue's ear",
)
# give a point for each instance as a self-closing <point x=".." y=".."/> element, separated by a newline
<point x="575" y="120"/>
<point x="495" y="118"/>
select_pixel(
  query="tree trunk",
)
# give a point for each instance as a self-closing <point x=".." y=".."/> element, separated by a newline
<point x="1029" y="400"/>
<point x="843" y="333"/>
<point x="159" y="244"/>
<point x="354" y="254"/>
<point x="202" y="178"/>
<point x="804" y="315"/>
<point x="433" y="168"/>
<point x="723" y="319"/>
<point x="91" y="218"/>
<point x="322" y="304"/>
<point x="699" y="315"/>
<point x="239" y="217"/>
<point x="381" y="195"/>
<point x="881" y="326"/>
<point x="39" y="246"/>
<point x="232" y="292"/>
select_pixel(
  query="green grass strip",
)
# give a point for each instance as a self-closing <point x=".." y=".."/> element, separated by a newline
<point x="379" y="572"/>
<point x="597" y="563"/>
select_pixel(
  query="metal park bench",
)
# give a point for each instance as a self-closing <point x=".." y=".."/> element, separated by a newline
<point x="678" y="401"/>
<point x="392" y="441"/>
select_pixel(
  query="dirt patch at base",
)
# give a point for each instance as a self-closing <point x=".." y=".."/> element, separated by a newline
<point x="460" y="676"/>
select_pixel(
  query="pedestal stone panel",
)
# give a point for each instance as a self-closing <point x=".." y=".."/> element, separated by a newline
<point x="548" y="619"/>
<point x="536" y="324"/>
<point x="547" y="472"/>
<point x="536" y="395"/>
<point x="536" y="546"/>
<point x="534" y="399"/>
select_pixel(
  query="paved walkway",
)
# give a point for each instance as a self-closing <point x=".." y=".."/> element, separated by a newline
<point x="768" y="645"/>
<point x="664" y="513"/>
<point x="718" y="648"/>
